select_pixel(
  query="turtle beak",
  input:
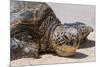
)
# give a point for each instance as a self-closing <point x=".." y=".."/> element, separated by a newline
<point x="64" y="50"/>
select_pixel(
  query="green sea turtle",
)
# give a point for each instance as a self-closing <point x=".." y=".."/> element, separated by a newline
<point x="35" y="29"/>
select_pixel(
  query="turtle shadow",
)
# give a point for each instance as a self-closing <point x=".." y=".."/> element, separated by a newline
<point x="78" y="55"/>
<point x="87" y="44"/>
<point x="48" y="52"/>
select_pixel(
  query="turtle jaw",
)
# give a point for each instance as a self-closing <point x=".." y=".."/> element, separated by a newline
<point x="65" y="50"/>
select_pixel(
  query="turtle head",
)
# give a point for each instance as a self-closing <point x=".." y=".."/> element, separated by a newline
<point x="65" y="41"/>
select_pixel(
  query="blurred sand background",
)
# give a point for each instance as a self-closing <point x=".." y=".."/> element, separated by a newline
<point x="68" y="13"/>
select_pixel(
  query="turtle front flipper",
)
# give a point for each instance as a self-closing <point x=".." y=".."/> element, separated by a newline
<point x="84" y="31"/>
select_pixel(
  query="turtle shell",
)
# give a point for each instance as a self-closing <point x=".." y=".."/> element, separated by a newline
<point x="29" y="22"/>
<point x="27" y="17"/>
